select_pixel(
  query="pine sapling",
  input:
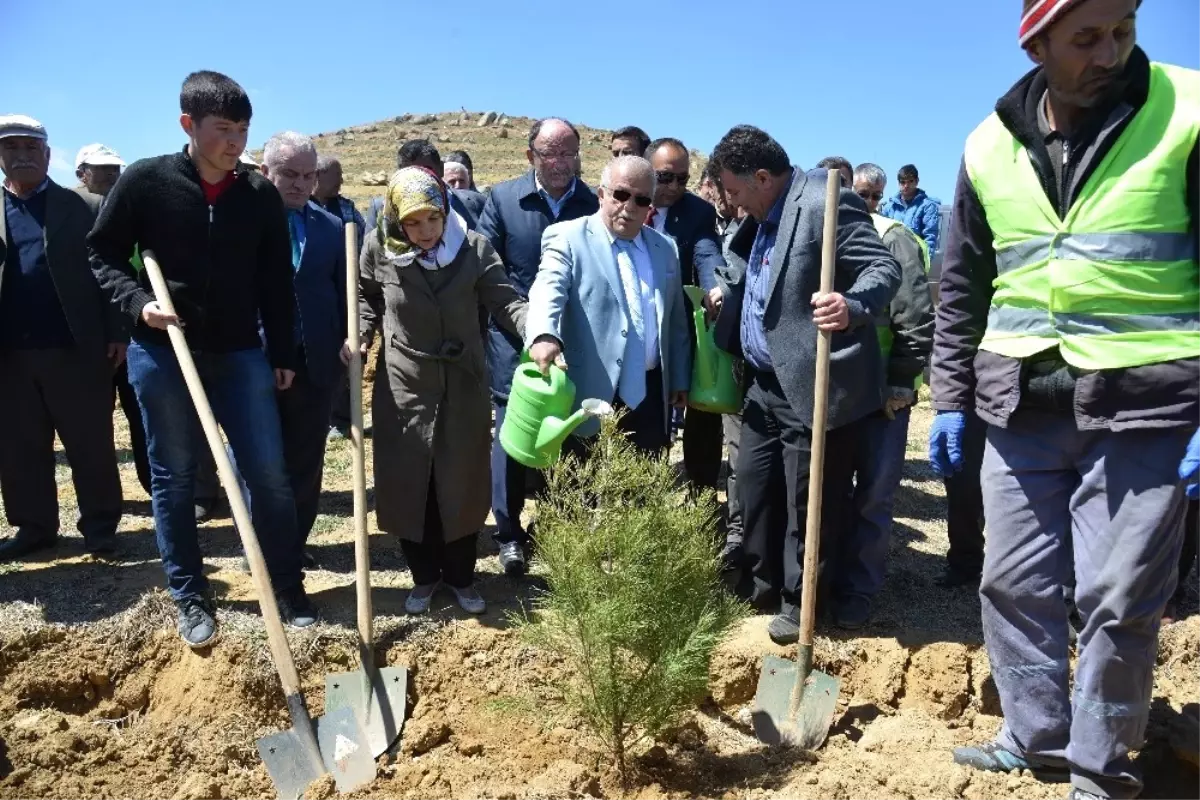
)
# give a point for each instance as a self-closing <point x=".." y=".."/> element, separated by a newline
<point x="634" y="603"/>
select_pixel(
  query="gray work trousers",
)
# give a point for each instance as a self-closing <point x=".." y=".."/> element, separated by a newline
<point x="1117" y="499"/>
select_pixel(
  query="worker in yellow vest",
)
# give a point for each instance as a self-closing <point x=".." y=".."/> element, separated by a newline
<point x="1070" y="322"/>
<point x="905" y="329"/>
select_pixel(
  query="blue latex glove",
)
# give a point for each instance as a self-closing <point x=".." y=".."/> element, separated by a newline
<point x="1189" y="468"/>
<point x="945" y="442"/>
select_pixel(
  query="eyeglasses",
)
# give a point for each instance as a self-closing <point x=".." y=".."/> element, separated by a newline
<point x="555" y="156"/>
<point x="622" y="196"/>
<point x="627" y="151"/>
<point x="870" y="195"/>
<point x="667" y="178"/>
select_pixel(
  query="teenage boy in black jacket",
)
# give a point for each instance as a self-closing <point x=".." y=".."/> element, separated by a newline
<point x="221" y="238"/>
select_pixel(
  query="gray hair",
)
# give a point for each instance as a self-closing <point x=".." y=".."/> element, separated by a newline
<point x="632" y="166"/>
<point x="288" y="140"/>
<point x="325" y="162"/>
<point x="871" y="174"/>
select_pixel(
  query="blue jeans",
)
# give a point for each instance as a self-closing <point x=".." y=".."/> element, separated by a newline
<point x="241" y="390"/>
<point x="878" y="466"/>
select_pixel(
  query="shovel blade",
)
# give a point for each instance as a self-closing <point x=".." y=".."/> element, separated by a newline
<point x="379" y="701"/>
<point x="289" y="763"/>
<point x="772" y="715"/>
<point x="345" y="750"/>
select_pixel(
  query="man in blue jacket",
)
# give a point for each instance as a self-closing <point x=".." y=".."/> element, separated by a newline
<point x="516" y="214"/>
<point x="914" y="208"/>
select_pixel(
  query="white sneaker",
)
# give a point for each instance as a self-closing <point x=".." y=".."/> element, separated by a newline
<point x="469" y="599"/>
<point x="419" y="598"/>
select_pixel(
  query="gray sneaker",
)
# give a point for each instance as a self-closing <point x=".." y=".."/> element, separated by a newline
<point x="420" y="597"/>
<point x="469" y="599"/>
<point x="197" y="622"/>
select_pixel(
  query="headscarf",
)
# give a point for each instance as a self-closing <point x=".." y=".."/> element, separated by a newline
<point x="410" y="190"/>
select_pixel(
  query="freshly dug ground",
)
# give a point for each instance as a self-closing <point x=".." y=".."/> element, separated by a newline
<point x="98" y="697"/>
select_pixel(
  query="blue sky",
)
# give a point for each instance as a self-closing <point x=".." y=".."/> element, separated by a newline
<point x="873" y="80"/>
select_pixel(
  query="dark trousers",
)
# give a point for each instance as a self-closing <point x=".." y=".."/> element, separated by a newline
<point x="773" y="485"/>
<point x="733" y="437"/>
<point x="57" y="390"/>
<point x="702" y="440"/>
<point x="964" y="500"/>
<point x="1191" y="541"/>
<point x="339" y="414"/>
<point x="304" y="419"/>
<point x="508" y="486"/>
<point x="241" y="390"/>
<point x="433" y="559"/>
<point x="133" y="418"/>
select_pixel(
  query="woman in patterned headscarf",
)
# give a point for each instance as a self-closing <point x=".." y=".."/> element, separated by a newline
<point x="423" y="277"/>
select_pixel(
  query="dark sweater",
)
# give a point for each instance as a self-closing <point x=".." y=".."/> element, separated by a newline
<point x="226" y="265"/>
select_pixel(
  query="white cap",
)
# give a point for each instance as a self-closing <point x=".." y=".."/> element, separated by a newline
<point x="98" y="155"/>
<point x="21" y="125"/>
<point x="247" y="159"/>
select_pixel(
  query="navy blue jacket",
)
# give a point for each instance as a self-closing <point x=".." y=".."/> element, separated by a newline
<point x="321" y="294"/>
<point x="513" y="221"/>
<point x="692" y="222"/>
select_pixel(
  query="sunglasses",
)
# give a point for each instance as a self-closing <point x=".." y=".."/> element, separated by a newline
<point x="667" y="178"/>
<point x="622" y="196"/>
<point x="871" y="195"/>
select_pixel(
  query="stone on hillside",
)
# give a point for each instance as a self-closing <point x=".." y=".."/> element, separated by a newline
<point x="464" y="118"/>
<point x="597" y="137"/>
<point x="374" y="178"/>
<point x="424" y="119"/>
<point x="505" y="122"/>
<point x="502" y="133"/>
<point x="403" y="118"/>
<point x="349" y="137"/>
<point x="487" y="119"/>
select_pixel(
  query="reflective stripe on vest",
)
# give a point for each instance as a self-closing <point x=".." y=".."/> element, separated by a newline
<point x="883" y="326"/>
<point x="1116" y="282"/>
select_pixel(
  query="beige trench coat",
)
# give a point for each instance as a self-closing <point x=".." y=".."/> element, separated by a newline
<point x="431" y="406"/>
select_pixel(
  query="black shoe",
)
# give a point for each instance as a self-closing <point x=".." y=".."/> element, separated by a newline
<point x="732" y="556"/>
<point x="784" y="629"/>
<point x="102" y="545"/>
<point x="307" y="560"/>
<point x="206" y="509"/>
<point x="296" y="609"/>
<point x="952" y="578"/>
<point x="512" y="558"/>
<point x="853" y="612"/>
<point x="197" y="622"/>
<point x="25" y="543"/>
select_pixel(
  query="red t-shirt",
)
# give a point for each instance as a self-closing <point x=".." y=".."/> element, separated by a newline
<point x="213" y="190"/>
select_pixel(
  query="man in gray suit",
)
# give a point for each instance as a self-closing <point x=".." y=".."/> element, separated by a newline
<point x="771" y="317"/>
<point x="608" y="301"/>
<point x="59" y="344"/>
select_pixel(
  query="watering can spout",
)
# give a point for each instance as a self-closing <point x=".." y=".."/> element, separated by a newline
<point x="554" y="431"/>
<point x="706" y="354"/>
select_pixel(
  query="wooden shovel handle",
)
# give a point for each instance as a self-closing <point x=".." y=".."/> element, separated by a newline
<point x="362" y="559"/>
<point x="816" y="462"/>
<point x="276" y="639"/>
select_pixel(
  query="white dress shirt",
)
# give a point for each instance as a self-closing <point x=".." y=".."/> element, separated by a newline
<point x="640" y="252"/>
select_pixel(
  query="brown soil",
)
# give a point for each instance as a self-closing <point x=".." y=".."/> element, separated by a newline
<point x="99" y="699"/>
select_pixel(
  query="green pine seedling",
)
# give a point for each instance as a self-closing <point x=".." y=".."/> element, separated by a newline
<point x="635" y="604"/>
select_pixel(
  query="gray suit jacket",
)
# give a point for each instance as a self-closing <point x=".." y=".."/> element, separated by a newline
<point x="866" y="274"/>
<point x="94" y="322"/>
<point x="578" y="299"/>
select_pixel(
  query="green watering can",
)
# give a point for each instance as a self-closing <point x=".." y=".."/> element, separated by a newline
<point x="714" y="386"/>
<point x="539" y="415"/>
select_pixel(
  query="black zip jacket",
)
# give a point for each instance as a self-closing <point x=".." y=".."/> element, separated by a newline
<point x="226" y="265"/>
<point x="1163" y="395"/>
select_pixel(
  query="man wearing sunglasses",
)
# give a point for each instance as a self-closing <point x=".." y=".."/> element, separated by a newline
<point x="771" y="316"/>
<point x="692" y="223"/>
<point x="905" y="331"/>
<point x="607" y="302"/>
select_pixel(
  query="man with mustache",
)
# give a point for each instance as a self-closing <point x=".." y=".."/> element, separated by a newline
<point x="1070" y="323"/>
<point x="59" y="345"/>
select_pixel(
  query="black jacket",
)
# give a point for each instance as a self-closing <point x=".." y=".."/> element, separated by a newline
<point x="692" y="223"/>
<point x="963" y="376"/>
<point x="226" y="265"/>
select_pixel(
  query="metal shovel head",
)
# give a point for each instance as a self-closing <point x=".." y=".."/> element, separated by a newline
<point x="343" y="752"/>
<point x="379" y="701"/>
<point x="773" y="720"/>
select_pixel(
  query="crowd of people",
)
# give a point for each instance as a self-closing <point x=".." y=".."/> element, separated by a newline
<point x="1062" y="345"/>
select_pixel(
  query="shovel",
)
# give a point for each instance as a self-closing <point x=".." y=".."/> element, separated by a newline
<point x="794" y="703"/>
<point x="377" y="697"/>
<point x="295" y="757"/>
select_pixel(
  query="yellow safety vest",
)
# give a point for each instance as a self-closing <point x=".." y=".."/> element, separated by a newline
<point x="883" y="328"/>
<point x="1116" y="283"/>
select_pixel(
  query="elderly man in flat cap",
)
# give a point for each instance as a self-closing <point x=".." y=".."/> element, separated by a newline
<point x="98" y="166"/>
<point x="59" y="345"/>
